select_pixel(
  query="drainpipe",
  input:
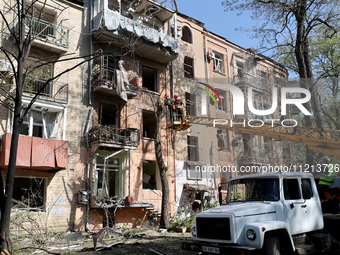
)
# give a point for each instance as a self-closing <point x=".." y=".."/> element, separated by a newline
<point x="91" y="52"/>
<point x="88" y="172"/>
<point x="206" y="57"/>
<point x="88" y="123"/>
<point x="206" y="66"/>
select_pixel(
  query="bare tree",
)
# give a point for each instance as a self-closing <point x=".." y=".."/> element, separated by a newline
<point x="19" y="31"/>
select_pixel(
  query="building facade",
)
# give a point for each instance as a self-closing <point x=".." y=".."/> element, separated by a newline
<point x="136" y="43"/>
<point x="48" y="150"/>
<point x="207" y="156"/>
<point x="87" y="145"/>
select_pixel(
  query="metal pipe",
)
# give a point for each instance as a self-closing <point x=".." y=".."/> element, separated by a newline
<point x="91" y="52"/>
<point x="89" y="120"/>
<point x="88" y="172"/>
<point x="206" y="57"/>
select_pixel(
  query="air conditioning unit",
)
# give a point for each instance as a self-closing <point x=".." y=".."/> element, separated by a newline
<point x="5" y="65"/>
<point x="211" y="55"/>
<point x="179" y="31"/>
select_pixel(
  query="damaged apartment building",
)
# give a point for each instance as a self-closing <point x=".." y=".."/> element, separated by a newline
<point x="87" y="144"/>
<point x="207" y="59"/>
<point x="48" y="156"/>
<point x="121" y="182"/>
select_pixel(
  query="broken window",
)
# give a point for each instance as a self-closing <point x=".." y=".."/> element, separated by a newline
<point x="240" y="70"/>
<point x="107" y="176"/>
<point x="218" y="105"/>
<point x="218" y="63"/>
<point x="113" y="5"/>
<point x="188" y="67"/>
<point x="192" y="143"/>
<point x="149" y="124"/>
<point x="222" y="139"/>
<point x="193" y="172"/>
<point x="190" y="104"/>
<point x="29" y="193"/>
<point x="262" y="76"/>
<point x="151" y="178"/>
<point x="186" y="34"/>
<point x="108" y="114"/>
<point x="37" y="78"/>
<point x="42" y="123"/>
<point x="150" y="79"/>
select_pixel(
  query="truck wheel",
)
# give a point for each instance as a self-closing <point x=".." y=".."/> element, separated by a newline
<point x="272" y="246"/>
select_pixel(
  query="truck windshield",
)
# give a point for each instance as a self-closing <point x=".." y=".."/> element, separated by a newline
<point x="256" y="189"/>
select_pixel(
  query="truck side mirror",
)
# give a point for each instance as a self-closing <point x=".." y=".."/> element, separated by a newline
<point x="291" y="205"/>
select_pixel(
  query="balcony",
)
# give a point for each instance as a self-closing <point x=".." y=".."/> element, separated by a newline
<point x="112" y="137"/>
<point x="104" y="80"/>
<point x="49" y="36"/>
<point x="55" y="91"/>
<point x="35" y="153"/>
<point x="149" y="43"/>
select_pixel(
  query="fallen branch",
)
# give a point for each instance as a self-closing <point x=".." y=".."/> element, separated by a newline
<point x="39" y="248"/>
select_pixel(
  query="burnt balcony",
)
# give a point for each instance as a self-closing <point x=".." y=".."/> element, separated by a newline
<point x="55" y="91"/>
<point x="49" y="36"/>
<point x="35" y="153"/>
<point x="110" y="136"/>
<point x="105" y="80"/>
<point x="149" y="42"/>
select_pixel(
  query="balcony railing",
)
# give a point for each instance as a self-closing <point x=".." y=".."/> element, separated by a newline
<point x="110" y="135"/>
<point x="54" y="90"/>
<point x="105" y="78"/>
<point x="49" y="32"/>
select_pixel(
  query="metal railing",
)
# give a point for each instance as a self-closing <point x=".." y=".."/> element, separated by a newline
<point x="53" y="90"/>
<point x="113" y="135"/>
<point x="103" y="75"/>
<point x="49" y="32"/>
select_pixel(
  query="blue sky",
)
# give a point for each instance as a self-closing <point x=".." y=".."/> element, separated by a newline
<point x="223" y="23"/>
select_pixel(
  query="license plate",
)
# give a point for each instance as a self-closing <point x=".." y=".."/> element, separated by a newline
<point x="211" y="249"/>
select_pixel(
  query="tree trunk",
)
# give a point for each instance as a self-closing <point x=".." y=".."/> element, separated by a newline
<point x="5" y="241"/>
<point x="7" y="205"/>
<point x="164" y="221"/>
<point x="302" y="55"/>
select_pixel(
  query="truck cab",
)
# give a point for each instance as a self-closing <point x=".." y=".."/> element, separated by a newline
<point x="268" y="212"/>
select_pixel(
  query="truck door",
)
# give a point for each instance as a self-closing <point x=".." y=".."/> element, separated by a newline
<point x="295" y="206"/>
<point x="313" y="206"/>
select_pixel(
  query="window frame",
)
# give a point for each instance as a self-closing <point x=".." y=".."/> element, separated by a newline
<point x="155" y="82"/>
<point x="218" y="63"/>
<point x="225" y="136"/>
<point x="188" y="68"/>
<point x="44" y="191"/>
<point x="193" y="146"/>
<point x="189" y="169"/>
<point x="288" y="195"/>
<point x="188" y="33"/>
<point x="190" y="104"/>
<point x="99" y="167"/>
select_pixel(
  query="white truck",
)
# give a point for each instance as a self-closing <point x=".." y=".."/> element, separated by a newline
<point x="271" y="213"/>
